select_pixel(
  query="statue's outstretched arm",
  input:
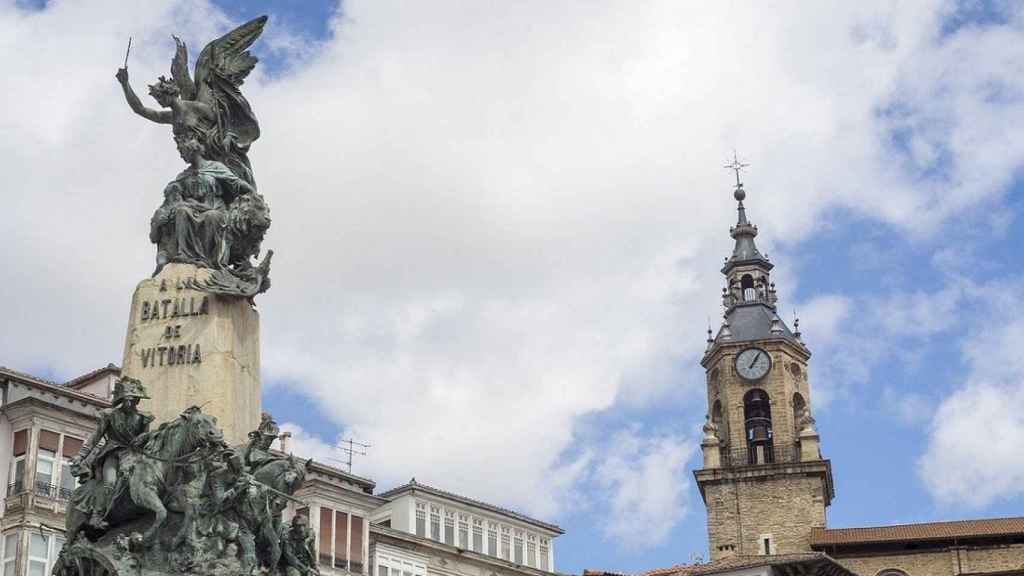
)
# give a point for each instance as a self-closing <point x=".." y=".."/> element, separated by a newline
<point x="158" y="116"/>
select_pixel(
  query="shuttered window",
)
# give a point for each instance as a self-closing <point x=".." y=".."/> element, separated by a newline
<point x="326" y="535"/>
<point x="20" y="443"/>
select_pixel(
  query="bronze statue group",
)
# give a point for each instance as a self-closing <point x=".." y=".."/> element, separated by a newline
<point x="212" y="215"/>
<point x="180" y="499"/>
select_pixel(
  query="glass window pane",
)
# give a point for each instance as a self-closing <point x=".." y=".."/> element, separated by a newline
<point x="19" y="476"/>
<point x="382" y="570"/>
<point x="38" y="545"/>
<point x="36" y="568"/>
<point x="421" y="523"/>
<point x="10" y="546"/>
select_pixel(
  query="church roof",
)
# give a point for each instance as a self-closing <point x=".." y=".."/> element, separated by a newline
<point x="810" y="563"/>
<point x="958" y="529"/>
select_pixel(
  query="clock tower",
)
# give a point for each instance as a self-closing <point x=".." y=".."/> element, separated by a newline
<point x="764" y="481"/>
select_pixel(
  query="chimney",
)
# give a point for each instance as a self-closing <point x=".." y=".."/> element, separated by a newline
<point x="285" y="439"/>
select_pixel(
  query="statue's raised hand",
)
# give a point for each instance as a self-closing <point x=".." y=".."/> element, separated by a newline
<point x="122" y="75"/>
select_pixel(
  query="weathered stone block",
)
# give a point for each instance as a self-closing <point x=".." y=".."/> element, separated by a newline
<point x="193" y="348"/>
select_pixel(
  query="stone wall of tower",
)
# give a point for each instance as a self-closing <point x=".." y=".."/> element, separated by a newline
<point x="950" y="561"/>
<point x="781" y="383"/>
<point x="782" y="507"/>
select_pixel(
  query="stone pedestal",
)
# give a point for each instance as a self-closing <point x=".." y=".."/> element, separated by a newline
<point x="193" y="348"/>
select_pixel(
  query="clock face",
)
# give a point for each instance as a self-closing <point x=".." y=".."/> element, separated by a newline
<point x="753" y="363"/>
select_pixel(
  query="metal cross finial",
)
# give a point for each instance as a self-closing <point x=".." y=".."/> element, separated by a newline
<point x="736" y="166"/>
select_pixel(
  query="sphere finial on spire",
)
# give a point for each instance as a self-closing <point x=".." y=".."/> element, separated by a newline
<point x="739" y="194"/>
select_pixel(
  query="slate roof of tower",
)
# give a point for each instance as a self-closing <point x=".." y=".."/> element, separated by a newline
<point x="959" y="529"/>
<point x="414" y="485"/>
<point x="749" y="322"/>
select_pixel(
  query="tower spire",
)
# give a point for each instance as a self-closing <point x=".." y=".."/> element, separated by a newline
<point x="739" y="194"/>
<point x="745" y="250"/>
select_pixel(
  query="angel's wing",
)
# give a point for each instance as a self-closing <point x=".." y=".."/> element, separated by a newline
<point x="228" y="57"/>
<point x="222" y="67"/>
<point x="179" y="71"/>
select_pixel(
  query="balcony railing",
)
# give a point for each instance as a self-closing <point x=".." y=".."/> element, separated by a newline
<point x="52" y="491"/>
<point x="15" y="488"/>
<point x="760" y="454"/>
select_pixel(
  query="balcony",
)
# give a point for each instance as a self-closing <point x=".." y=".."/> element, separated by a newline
<point x="759" y="454"/>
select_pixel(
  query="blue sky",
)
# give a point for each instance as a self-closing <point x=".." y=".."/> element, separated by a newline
<point x="498" y="230"/>
<point x="874" y="451"/>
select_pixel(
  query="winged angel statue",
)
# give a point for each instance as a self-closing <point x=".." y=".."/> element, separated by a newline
<point x="212" y="216"/>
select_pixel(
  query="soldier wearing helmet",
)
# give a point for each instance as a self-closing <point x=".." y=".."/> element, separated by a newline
<point x="118" y="428"/>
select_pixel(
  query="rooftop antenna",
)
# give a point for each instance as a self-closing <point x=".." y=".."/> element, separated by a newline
<point x="351" y="448"/>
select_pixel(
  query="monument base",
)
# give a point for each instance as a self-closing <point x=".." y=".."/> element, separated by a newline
<point x="191" y="348"/>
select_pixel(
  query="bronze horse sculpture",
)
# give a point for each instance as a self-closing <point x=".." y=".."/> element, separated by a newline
<point x="156" y="466"/>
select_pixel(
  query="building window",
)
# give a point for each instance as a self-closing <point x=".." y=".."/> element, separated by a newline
<point x="340" y="540"/>
<point x="478" y="535"/>
<point x="492" y="539"/>
<point x="382" y="570"/>
<point x="421" y="520"/>
<point x="10" y="555"/>
<point x="345" y="532"/>
<point x="435" y="523"/>
<point x="506" y="543"/>
<point x="531" y="552"/>
<point x="757" y="414"/>
<point x="68" y="481"/>
<point x="38" y="553"/>
<point x="17" y="485"/>
<point x="326" y="536"/>
<point x="46" y="457"/>
<point x="463" y="531"/>
<point x="544" y="563"/>
<point x="449" y="527"/>
<point x="518" y="548"/>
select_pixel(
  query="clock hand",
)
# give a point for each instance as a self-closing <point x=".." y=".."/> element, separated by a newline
<point x="754" y="361"/>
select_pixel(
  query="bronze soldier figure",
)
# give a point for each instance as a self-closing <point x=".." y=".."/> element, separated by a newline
<point x="119" y="427"/>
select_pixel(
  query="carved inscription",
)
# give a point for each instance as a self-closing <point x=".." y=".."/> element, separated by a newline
<point x="170" y="351"/>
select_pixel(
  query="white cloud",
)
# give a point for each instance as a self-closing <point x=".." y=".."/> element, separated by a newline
<point x="643" y="479"/>
<point x="306" y="445"/>
<point x="973" y="455"/>
<point x="493" y="219"/>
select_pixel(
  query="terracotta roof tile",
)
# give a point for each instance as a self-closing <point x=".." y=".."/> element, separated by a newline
<point x="987" y="527"/>
<point x="815" y="559"/>
<point x="74" y="382"/>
